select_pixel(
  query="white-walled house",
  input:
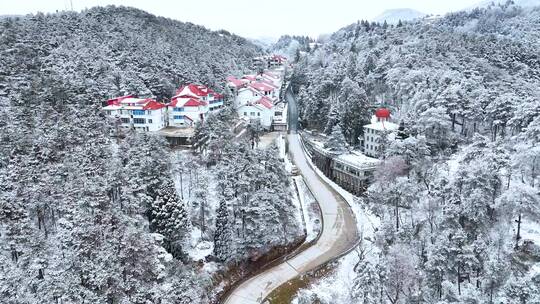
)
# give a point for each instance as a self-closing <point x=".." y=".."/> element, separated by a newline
<point x="235" y="84"/>
<point x="247" y="95"/>
<point x="186" y="111"/>
<point x="261" y="110"/>
<point x="374" y="132"/>
<point x="142" y="114"/>
<point x="265" y="89"/>
<point x="202" y="93"/>
<point x="277" y="60"/>
<point x="271" y="61"/>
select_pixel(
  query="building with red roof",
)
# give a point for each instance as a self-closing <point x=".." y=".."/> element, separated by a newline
<point x="203" y="93"/>
<point x="261" y="110"/>
<point x="141" y="114"/>
<point x="380" y="129"/>
<point x="191" y="104"/>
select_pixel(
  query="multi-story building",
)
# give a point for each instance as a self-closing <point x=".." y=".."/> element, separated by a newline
<point x="272" y="61"/>
<point x="379" y="130"/>
<point x="141" y="114"/>
<point x="202" y="93"/>
<point x="353" y="171"/>
<point x="261" y="110"/>
<point x="185" y="111"/>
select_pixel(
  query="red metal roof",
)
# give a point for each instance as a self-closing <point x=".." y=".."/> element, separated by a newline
<point x="260" y="86"/>
<point x="235" y="82"/>
<point x="153" y="105"/>
<point x="196" y="89"/>
<point x="382" y="113"/>
<point x="250" y="77"/>
<point x="269" y="83"/>
<point x="266" y="102"/>
<point x="192" y="102"/>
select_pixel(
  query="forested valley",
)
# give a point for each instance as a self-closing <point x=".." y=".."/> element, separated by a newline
<point x="459" y="198"/>
<point x="90" y="218"/>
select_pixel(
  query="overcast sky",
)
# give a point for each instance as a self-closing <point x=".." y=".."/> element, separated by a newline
<point x="253" y="18"/>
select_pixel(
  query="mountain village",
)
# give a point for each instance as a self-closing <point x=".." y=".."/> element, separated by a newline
<point x="258" y="100"/>
<point x="147" y="158"/>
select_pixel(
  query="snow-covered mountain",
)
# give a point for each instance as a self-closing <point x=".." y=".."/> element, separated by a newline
<point x="522" y="3"/>
<point x="393" y="16"/>
<point x="264" y="41"/>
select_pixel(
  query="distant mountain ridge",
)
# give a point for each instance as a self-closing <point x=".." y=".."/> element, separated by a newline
<point x="393" y="16"/>
<point x="522" y="3"/>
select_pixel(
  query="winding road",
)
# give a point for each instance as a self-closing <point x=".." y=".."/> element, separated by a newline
<point x="339" y="233"/>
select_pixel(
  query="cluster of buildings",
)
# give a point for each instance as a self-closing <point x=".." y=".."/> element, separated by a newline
<point x="354" y="170"/>
<point x="190" y="105"/>
<point x="269" y="61"/>
<point x="257" y="97"/>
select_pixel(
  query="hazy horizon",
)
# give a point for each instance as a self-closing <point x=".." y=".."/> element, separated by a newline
<point x="251" y="20"/>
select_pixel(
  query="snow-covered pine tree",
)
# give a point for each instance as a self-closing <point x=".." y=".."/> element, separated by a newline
<point x="170" y="218"/>
<point x="336" y="141"/>
<point x="354" y="110"/>
<point x="223" y="235"/>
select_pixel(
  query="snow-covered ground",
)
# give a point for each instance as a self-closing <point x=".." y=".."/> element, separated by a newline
<point x="336" y="288"/>
<point x="199" y="248"/>
<point x="267" y="139"/>
<point x="310" y="209"/>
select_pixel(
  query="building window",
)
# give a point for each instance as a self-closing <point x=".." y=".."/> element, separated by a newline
<point x="252" y="113"/>
<point x="258" y="113"/>
<point x="138" y="112"/>
<point x="149" y="120"/>
<point x="178" y="109"/>
<point x="178" y="117"/>
<point x="124" y="120"/>
<point x="245" y="113"/>
<point x="139" y="121"/>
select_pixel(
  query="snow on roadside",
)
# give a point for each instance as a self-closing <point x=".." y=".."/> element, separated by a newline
<point x="337" y="287"/>
<point x="298" y="205"/>
<point x="310" y="209"/>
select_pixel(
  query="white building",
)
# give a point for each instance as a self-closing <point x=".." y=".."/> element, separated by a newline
<point x="246" y="96"/>
<point x="271" y="61"/>
<point x="255" y="97"/>
<point x="261" y="110"/>
<point x="280" y="117"/>
<point x="235" y="84"/>
<point x="191" y="104"/>
<point x="142" y="114"/>
<point x="374" y="132"/>
<point x="202" y="93"/>
<point x="186" y="111"/>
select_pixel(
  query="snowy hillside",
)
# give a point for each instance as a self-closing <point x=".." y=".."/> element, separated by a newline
<point x="458" y="198"/>
<point x="264" y="42"/>
<point x="90" y="218"/>
<point x="392" y="16"/>
<point x="522" y="3"/>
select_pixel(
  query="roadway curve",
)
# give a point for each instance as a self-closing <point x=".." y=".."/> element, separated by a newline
<point x="339" y="233"/>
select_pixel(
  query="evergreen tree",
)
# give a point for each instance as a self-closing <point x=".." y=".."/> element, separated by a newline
<point x="223" y="247"/>
<point x="169" y="218"/>
<point x="336" y="141"/>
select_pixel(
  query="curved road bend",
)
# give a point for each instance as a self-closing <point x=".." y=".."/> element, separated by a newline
<point x="339" y="233"/>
